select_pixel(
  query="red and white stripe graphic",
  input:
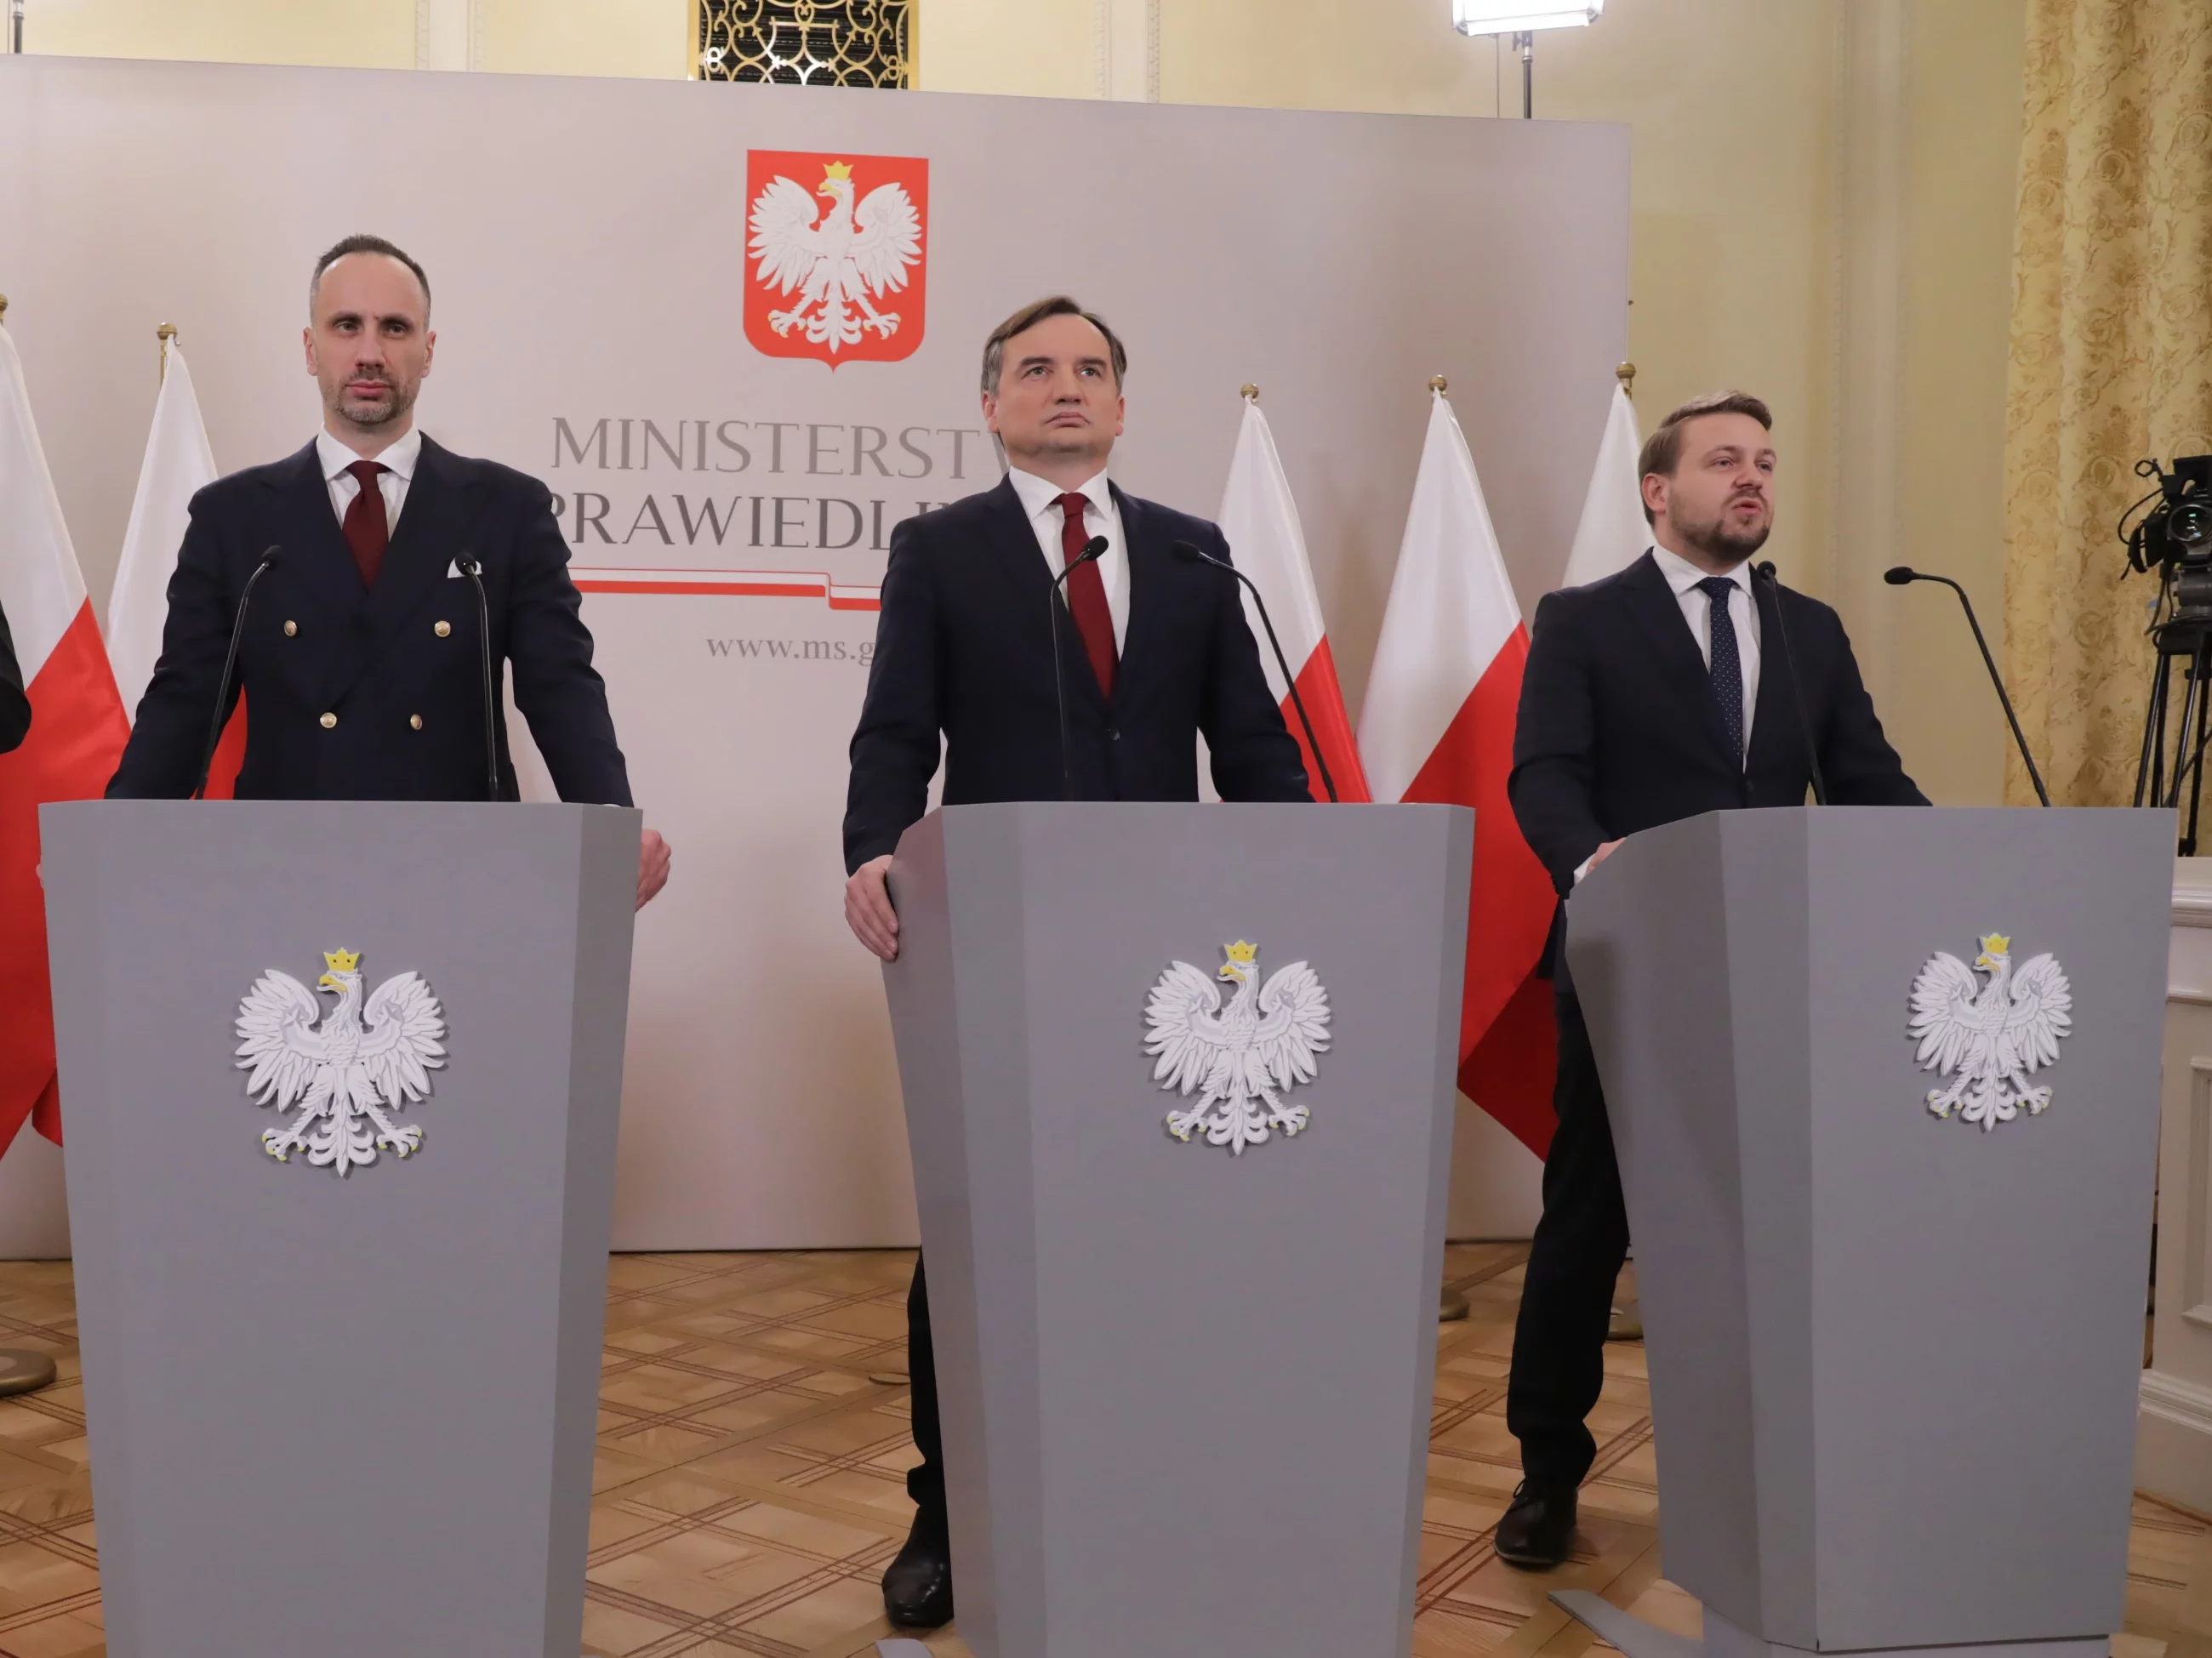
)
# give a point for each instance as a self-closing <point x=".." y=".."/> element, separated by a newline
<point x="1438" y="727"/>
<point x="1260" y="521"/>
<point x="77" y="733"/>
<point x="179" y="464"/>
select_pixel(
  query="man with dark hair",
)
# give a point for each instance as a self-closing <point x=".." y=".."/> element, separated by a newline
<point x="361" y="657"/>
<point x="1654" y="695"/>
<point x="964" y="653"/>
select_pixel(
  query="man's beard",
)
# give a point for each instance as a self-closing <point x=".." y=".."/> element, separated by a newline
<point x="382" y="411"/>
<point x="1717" y="541"/>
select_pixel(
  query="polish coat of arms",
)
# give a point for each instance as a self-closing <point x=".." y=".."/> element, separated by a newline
<point x="1988" y="1035"/>
<point x="835" y="264"/>
<point x="1241" y="1059"/>
<point x="343" y="1070"/>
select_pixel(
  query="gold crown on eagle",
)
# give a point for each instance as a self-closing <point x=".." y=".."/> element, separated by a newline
<point x="1242" y="953"/>
<point x="838" y="170"/>
<point x="342" y="961"/>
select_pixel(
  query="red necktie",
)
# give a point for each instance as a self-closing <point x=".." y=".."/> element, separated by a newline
<point x="366" y="530"/>
<point x="1086" y="594"/>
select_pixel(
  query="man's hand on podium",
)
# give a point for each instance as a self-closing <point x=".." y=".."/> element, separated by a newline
<point x="652" y="860"/>
<point x="868" y="909"/>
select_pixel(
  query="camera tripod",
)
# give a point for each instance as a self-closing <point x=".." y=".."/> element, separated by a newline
<point x="2186" y="640"/>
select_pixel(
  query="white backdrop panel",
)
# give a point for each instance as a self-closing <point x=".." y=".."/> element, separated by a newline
<point x="585" y="241"/>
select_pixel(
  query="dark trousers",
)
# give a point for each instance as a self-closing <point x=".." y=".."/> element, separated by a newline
<point x="924" y="1483"/>
<point x="1566" y="1298"/>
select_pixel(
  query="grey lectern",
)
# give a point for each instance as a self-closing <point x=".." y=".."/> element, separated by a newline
<point x="336" y="1406"/>
<point x="1894" y="1346"/>
<point x="1185" y="1381"/>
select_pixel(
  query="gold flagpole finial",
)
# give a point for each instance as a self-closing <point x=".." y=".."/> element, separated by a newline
<point x="4" y="308"/>
<point x="1249" y="392"/>
<point x="1627" y="375"/>
<point x="165" y="333"/>
<point x="1436" y="384"/>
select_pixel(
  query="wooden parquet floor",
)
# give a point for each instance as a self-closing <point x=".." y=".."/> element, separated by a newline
<point x="753" y="1444"/>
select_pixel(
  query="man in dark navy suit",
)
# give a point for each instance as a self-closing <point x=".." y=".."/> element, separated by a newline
<point x="362" y="657"/>
<point x="1154" y="651"/>
<point x="14" y="706"/>
<point x="1656" y="695"/>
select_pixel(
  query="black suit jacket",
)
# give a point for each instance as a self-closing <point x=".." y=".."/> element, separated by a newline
<point x="962" y="648"/>
<point x="1618" y="729"/>
<point x="353" y="693"/>
<point x="14" y="706"/>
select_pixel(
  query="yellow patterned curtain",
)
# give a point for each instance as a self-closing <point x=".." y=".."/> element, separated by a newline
<point x="2111" y="362"/>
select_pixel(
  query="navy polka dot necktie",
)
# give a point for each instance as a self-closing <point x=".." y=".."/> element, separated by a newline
<point x="1726" y="665"/>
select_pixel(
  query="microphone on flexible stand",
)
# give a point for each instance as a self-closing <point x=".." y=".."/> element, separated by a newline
<point x="1190" y="553"/>
<point x="1766" y="573"/>
<point x="1093" y="549"/>
<point x="229" y="666"/>
<point x="469" y="567"/>
<point x="1900" y="575"/>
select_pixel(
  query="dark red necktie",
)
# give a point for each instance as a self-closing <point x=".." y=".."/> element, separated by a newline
<point x="1086" y="594"/>
<point x="366" y="530"/>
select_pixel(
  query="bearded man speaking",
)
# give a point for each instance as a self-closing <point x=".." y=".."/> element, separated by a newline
<point x="361" y="658"/>
<point x="1658" y="694"/>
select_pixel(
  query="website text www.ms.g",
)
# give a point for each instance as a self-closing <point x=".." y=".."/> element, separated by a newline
<point x="860" y="652"/>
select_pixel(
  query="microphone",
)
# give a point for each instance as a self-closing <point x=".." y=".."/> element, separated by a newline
<point x="1900" y="576"/>
<point x="1093" y="549"/>
<point x="229" y="666"/>
<point x="1190" y="554"/>
<point x="1766" y="573"/>
<point x="473" y="570"/>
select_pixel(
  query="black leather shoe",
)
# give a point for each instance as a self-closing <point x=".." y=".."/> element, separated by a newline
<point x="918" y="1583"/>
<point x="1537" y="1528"/>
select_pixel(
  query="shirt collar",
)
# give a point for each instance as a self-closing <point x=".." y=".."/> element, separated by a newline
<point x="399" y="459"/>
<point x="1038" y="494"/>
<point x="1684" y="576"/>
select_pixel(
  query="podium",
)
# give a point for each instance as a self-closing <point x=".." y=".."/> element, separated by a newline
<point x="1185" y="1385"/>
<point x="1894" y="1354"/>
<point x="344" y="1408"/>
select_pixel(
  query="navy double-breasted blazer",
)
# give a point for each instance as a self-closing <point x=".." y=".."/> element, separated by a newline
<point x="963" y="649"/>
<point x="355" y="693"/>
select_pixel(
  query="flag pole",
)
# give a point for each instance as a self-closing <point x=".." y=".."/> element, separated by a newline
<point x="1627" y="375"/>
<point x="1452" y="1305"/>
<point x="165" y="333"/>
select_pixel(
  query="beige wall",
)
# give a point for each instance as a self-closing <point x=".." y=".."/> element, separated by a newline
<point x="1822" y="209"/>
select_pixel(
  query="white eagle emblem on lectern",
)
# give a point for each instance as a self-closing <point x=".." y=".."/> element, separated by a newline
<point x="343" y="1075"/>
<point x="855" y="254"/>
<point x="1990" y="1035"/>
<point x="1244" y="1057"/>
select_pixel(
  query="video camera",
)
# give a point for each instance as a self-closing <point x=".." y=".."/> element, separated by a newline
<point x="2175" y="536"/>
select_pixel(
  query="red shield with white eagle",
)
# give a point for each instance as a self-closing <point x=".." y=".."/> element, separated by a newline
<point x="835" y="254"/>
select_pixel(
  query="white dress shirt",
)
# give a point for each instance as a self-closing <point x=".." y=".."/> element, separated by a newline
<point x="1698" y="610"/>
<point x="398" y="465"/>
<point x="1041" y="500"/>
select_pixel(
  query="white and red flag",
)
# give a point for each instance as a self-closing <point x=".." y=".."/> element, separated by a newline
<point x="1613" y="533"/>
<point x="179" y="464"/>
<point x="1260" y="521"/>
<point x="1438" y="725"/>
<point x="76" y="735"/>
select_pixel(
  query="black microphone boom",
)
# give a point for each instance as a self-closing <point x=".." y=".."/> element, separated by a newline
<point x="1900" y="575"/>
<point x="1093" y="549"/>
<point x="1189" y="553"/>
<point x="229" y="666"/>
<point x="473" y="570"/>
<point x="1765" y="572"/>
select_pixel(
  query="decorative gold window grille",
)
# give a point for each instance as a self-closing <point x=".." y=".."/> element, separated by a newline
<point x="816" y="42"/>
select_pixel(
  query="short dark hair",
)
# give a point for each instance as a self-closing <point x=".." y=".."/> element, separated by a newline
<point x="364" y="245"/>
<point x="1059" y="305"/>
<point x="1662" y="450"/>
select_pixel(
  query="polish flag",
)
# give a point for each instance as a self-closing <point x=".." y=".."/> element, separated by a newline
<point x="1260" y="521"/>
<point x="179" y="463"/>
<point x="1613" y="533"/>
<point x="1438" y="727"/>
<point x="77" y="733"/>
